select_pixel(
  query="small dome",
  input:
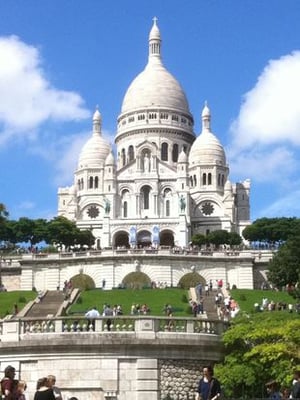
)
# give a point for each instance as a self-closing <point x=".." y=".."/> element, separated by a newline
<point x="207" y="149"/>
<point x="96" y="149"/>
<point x="94" y="152"/>
<point x="110" y="159"/>
<point x="182" y="158"/>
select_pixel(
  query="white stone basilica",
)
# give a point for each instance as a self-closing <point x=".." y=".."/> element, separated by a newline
<point x="164" y="185"/>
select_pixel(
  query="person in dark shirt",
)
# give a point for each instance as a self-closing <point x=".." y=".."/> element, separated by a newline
<point x="209" y="387"/>
<point x="9" y="384"/>
<point x="43" y="391"/>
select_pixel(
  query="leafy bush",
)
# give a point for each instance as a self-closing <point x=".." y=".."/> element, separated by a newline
<point x="22" y="299"/>
<point x="83" y="282"/>
<point x="189" y="280"/>
<point x="184" y="298"/>
<point x="136" y="280"/>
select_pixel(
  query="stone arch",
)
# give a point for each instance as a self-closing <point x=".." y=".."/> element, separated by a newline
<point x="82" y="282"/>
<point x="167" y="238"/>
<point x="121" y="239"/>
<point x="144" y="238"/>
<point x="191" y="279"/>
<point x="136" y="280"/>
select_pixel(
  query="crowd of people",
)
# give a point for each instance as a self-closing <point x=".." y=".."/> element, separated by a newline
<point x="14" y="389"/>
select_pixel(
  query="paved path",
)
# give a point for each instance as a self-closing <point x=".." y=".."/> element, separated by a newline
<point x="49" y="305"/>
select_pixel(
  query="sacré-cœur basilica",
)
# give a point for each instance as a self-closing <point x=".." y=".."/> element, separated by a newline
<point x="165" y="183"/>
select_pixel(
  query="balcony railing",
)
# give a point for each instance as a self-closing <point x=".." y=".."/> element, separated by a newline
<point x="18" y="329"/>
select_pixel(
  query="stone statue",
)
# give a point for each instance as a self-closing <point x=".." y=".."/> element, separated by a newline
<point x="146" y="163"/>
<point x="182" y="203"/>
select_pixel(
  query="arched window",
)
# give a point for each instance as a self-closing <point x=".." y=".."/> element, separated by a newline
<point x="209" y="179"/>
<point x="204" y="179"/>
<point x="123" y="157"/>
<point x="223" y="180"/>
<point x="191" y="181"/>
<point x="125" y="209"/>
<point x="82" y="183"/>
<point x="146" y="197"/>
<point x="130" y="153"/>
<point x="96" y="182"/>
<point x="175" y="153"/>
<point x="164" y="151"/>
<point x="79" y="184"/>
<point x="91" y="182"/>
<point x="195" y="180"/>
<point x="167" y="208"/>
<point x="219" y="179"/>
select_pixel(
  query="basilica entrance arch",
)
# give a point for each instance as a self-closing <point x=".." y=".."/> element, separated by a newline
<point x="167" y="238"/>
<point x="144" y="238"/>
<point x="121" y="239"/>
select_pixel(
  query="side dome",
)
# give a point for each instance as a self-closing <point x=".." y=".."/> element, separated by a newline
<point x="96" y="149"/>
<point x="207" y="149"/>
<point x="155" y="86"/>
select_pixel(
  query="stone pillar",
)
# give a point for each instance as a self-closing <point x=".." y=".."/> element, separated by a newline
<point x="147" y="385"/>
<point x="105" y="239"/>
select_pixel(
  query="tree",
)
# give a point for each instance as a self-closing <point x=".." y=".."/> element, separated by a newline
<point x="61" y="230"/>
<point x="259" y="348"/>
<point x="284" y="267"/>
<point x="271" y="230"/>
<point x="30" y="230"/>
<point x="218" y="237"/>
<point x="199" y="239"/>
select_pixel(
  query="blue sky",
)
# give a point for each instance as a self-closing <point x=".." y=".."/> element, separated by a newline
<point x="59" y="59"/>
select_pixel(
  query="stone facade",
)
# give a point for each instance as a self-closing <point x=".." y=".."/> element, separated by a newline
<point x="161" y="184"/>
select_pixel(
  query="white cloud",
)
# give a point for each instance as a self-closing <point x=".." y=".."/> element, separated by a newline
<point x="270" y="112"/>
<point x="265" y="135"/>
<point x="28" y="99"/>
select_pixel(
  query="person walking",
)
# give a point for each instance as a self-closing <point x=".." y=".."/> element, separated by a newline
<point x="209" y="388"/>
<point x="273" y="390"/>
<point x="295" y="392"/>
<point x="9" y="384"/>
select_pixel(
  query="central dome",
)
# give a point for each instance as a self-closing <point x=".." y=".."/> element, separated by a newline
<point x="155" y="86"/>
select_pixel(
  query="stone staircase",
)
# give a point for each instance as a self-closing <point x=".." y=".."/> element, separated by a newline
<point x="210" y="310"/>
<point x="45" y="306"/>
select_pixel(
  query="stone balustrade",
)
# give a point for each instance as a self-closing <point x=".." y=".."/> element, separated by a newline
<point x="18" y="329"/>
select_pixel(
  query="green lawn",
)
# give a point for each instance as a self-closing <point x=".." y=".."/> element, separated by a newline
<point x="19" y="297"/>
<point x="246" y="298"/>
<point x="154" y="298"/>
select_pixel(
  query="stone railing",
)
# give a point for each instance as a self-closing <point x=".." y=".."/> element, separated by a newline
<point x="120" y="252"/>
<point x="19" y="329"/>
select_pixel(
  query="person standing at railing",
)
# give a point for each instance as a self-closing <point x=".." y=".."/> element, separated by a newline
<point x="209" y="388"/>
<point x="91" y="315"/>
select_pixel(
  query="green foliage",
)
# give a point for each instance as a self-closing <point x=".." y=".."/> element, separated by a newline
<point x="271" y="230"/>
<point x="22" y="299"/>
<point x="284" y="268"/>
<point x="184" y="298"/>
<point x="259" y="348"/>
<point x="83" y="282"/>
<point x="190" y="280"/>
<point x="136" y="280"/>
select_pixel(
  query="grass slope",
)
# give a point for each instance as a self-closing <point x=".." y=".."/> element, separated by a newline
<point x="154" y="298"/>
